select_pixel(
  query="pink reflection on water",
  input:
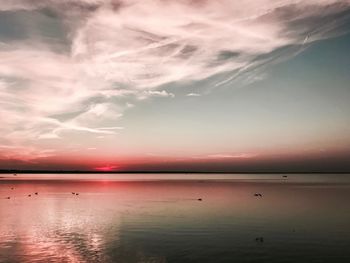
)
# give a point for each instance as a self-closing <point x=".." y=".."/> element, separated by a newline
<point x="84" y="227"/>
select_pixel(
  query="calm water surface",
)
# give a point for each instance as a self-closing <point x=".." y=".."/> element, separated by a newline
<point x="147" y="218"/>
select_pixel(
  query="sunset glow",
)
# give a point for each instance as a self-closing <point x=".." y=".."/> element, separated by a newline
<point x="106" y="168"/>
<point x="110" y="85"/>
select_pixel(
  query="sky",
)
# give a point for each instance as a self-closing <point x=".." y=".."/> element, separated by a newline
<point x="165" y="85"/>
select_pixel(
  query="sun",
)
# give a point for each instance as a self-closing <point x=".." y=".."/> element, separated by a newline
<point x="106" y="168"/>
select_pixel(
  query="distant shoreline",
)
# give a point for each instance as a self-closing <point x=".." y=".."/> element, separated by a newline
<point x="163" y="172"/>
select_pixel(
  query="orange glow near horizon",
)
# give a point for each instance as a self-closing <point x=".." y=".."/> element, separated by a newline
<point x="106" y="168"/>
<point x="227" y="162"/>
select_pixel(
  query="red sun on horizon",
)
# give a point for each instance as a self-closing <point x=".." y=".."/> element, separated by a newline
<point x="106" y="168"/>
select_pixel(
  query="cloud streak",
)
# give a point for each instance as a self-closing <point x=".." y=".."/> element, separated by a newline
<point x="128" y="51"/>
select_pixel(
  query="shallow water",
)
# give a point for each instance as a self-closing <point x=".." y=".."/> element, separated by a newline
<point x="146" y="218"/>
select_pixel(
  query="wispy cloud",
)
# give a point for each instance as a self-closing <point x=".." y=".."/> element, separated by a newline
<point x="24" y="153"/>
<point x="193" y="95"/>
<point x="70" y="126"/>
<point x="225" y="156"/>
<point x="231" y="156"/>
<point x="129" y="49"/>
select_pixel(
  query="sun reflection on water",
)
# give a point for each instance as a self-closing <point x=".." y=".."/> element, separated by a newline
<point x="164" y="221"/>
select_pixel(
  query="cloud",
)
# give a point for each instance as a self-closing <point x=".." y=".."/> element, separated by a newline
<point x="193" y="95"/>
<point x="185" y="40"/>
<point x="71" y="126"/>
<point x="231" y="156"/>
<point x="225" y="156"/>
<point x="156" y="93"/>
<point x="24" y="153"/>
<point x="117" y="52"/>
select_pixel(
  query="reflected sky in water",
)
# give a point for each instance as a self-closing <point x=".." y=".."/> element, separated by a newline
<point x="163" y="221"/>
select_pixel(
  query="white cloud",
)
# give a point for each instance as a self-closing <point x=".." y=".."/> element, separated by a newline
<point x="129" y="105"/>
<point x="156" y="93"/>
<point x="193" y="95"/>
<point x="128" y="49"/>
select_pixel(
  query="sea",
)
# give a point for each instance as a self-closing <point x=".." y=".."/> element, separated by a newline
<point x="178" y="218"/>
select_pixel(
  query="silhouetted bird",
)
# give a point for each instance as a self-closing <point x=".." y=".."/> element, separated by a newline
<point x="259" y="239"/>
<point x="284" y="176"/>
<point x="73" y="193"/>
<point x="77" y="194"/>
<point x="258" y="194"/>
<point x="8" y="197"/>
<point x="29" y="195"/>
<point x="12" y="188"/>
<point x="36" y="193"/>
<point x="199" y="199"/>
